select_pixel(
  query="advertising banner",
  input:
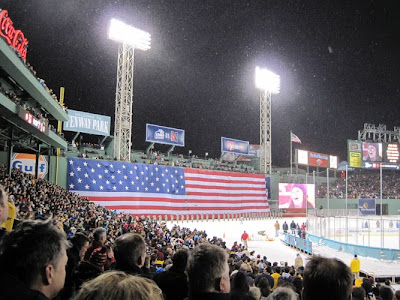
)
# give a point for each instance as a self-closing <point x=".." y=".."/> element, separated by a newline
<point x="14" y="37"/>
<point x="354" y="160"/>
<point x="27" y="163"/>
<point x="354" y="151"/>
<point x="302" y="157"/>
<point x="234" y="146"/>
<point x="293" y="195"/>
<point x="165" y="135"/>
<point x="333" y="162"/>
<point x="367" y="206"/>
<point x="318" y="159"/>
<point x="79" y="121"/>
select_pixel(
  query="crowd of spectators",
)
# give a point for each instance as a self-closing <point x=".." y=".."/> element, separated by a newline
<point x="27" y="106"/>
<point x="96" y="151"/>
<point x="363" y="184"/>
<point x="108" y="249"/>
<point x="10" y="95"/>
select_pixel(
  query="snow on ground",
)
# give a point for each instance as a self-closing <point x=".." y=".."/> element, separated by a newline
<point x="231" y="231"/>
<point x="276" y="250"/>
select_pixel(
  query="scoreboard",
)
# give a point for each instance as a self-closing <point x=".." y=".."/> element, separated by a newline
<point x="391" y="153"/>
<point x="373" y="155"/>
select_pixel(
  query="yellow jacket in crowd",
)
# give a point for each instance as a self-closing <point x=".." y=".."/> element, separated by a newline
<point x="275" y="276"/>
<point x="8" y="225"/>
<point x="355" y="265"/>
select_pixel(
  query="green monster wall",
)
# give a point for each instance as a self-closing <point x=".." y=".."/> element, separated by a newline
<point x="334" y="203"/>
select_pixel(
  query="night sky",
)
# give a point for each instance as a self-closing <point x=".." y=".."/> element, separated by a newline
<point x="339" y="63"/>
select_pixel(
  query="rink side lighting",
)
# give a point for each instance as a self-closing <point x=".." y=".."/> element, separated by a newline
<point x="121" y="32"/>
<point x="267" y="81"/>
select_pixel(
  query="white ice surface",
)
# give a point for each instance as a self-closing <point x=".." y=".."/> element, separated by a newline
<point x="276" y="250"/>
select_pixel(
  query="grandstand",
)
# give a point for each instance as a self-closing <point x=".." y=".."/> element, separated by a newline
<point x="29" y="111"/>
<point x="43" y="184"/>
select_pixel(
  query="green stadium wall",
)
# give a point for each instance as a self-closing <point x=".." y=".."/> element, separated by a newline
<point x="334" y="203"/>
<point x="62" y="170"/>
<point x="4" y="158"/>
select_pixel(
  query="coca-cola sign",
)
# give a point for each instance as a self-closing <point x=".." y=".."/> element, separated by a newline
<point x="15" y="38"/>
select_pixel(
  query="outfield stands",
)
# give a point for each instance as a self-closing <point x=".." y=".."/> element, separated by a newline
<point x="363" y="184"/>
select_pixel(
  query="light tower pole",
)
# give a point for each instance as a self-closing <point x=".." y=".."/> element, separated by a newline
<point x="131" y="39"/>
<point x="268" y="83"/>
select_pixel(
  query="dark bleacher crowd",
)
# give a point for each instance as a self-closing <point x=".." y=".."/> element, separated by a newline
<point x="363" y="184"/>
<point x="37" y="112"/>
<point x="64" y="247"/>
<point x="96" y="151"/>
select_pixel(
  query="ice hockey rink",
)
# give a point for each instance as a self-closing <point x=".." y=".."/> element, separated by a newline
<point x="276" y="250"/>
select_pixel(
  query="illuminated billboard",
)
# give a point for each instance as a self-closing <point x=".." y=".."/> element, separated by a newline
<point x="372" y="155"/>
<point x="333" y="162"/>
<point x="391" y="153"/>
<point x="302" y="157"/>
<point x="234" y="146"/>
<point x="310" y="158"/>
<point x="13" y="37"/>
<point x="318" y="159"/>
<point x="165" y="135"/>
<point x="372" y="152"/>
<point x="33" y="121"/>
<point x="354" y="153"/>
<point x="294" y="195"/>
<point x="79" y="121"/>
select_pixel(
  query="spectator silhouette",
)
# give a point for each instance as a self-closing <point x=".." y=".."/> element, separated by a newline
<point x="327" y="278"/>
<point x="33" y="258"/>
<point x="208" y="273"/>
<point x="173" y="282"/>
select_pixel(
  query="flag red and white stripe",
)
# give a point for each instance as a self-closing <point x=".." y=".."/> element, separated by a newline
<point x="295" y="138"/>
<point x="207" y="193"/>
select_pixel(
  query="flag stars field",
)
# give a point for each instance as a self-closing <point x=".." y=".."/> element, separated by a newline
<point x="176" y="191"/>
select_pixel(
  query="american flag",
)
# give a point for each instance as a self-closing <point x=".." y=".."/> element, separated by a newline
<point x="295" y="138"/>
<point x="142" y="189"/>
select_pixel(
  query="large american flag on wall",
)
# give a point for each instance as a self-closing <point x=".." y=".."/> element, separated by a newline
<point x="142" y="189"/>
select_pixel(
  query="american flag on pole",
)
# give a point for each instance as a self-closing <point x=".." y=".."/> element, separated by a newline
<point x="295" y="138"/>
<point x="141" y="189"/>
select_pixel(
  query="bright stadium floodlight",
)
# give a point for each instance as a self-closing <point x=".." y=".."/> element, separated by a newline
<point x="121" y="32"/>
<point x="130" y="38"/>
<point x="267" y="81"/>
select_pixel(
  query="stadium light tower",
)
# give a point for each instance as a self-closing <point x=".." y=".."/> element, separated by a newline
<point x="130" y="39"/>
<point x="268" y="83"/>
